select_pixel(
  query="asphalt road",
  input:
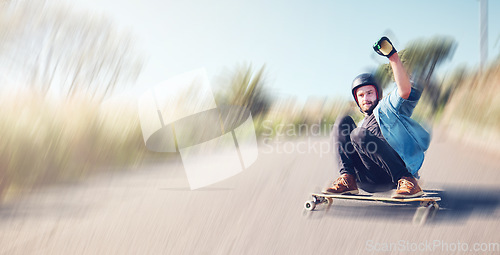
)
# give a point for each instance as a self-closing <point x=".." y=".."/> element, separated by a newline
<point x="260" y="211"/>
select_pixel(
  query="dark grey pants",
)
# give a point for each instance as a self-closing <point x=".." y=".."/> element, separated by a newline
<point x="371" y="159"/>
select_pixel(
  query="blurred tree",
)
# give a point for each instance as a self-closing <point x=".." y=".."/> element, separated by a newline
<point x="246" y="88"/>
<point x="453" y="82"/>
<point x="56" y="48"/>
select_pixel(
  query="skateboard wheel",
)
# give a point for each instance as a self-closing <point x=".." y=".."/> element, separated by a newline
<point x="424" y="203"/>
<point x="420" y="216"/>
<point x="436" y="206"/>
<point x="434" y="209"/>
<point x="425" y="213"/>
<point x="309" y="205"/>
<point x="328" y="201"/>
<point x="315" y="199"/>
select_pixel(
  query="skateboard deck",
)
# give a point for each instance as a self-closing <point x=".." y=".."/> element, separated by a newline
<point x="428" y="205"/>
<point x="379" y="198"/>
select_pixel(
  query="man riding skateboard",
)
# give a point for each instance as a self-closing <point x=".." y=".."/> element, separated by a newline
<point x="387" y="149"/>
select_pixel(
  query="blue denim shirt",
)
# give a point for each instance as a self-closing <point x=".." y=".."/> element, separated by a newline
<point x="405" y="135"/>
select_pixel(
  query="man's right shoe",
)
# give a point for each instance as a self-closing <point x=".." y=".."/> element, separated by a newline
<point x="345" y="184"/>
<point x="408" y="188"/>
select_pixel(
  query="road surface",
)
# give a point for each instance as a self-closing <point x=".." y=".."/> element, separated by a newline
<point x="260" y="211"/>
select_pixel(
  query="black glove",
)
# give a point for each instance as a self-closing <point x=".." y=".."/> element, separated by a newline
<point x="384" y="47"/>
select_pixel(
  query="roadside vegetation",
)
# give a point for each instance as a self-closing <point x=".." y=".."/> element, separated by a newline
<point x="48" y="141"/>
<point x="54" y="126"/>
<point x="472" y="111"/>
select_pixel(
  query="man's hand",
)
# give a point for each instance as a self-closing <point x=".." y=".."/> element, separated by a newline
<point x="384" y="47"/>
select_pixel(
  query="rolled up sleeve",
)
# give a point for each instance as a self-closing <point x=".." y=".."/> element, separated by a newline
<point x="404" y="106"/>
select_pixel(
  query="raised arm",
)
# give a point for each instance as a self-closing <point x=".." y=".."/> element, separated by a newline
<point x="400" y="76"/>
<point x="385" y="48"/>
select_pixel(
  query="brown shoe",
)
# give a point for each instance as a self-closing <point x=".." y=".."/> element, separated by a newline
<point x="345" y="184"/>
<point x="407" y="188"/>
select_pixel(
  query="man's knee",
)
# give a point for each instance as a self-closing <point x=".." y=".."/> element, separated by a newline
<point x="364" y="139"/>
<point x="344" y="120"/>
<point x="344" y="125"/>
<point x="359" y="135"/>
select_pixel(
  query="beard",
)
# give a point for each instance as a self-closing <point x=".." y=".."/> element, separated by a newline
<point x="368" y="109"/>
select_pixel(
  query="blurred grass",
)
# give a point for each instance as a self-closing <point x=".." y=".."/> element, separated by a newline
<point x="473" y="112"/>
<point x="46" y="141"/>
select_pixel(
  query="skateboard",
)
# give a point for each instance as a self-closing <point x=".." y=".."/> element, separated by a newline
<point x="427" y="210"/>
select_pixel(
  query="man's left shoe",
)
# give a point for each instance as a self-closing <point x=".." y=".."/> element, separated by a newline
<point x="408" y="188"/>
<point x="345" y="184"/>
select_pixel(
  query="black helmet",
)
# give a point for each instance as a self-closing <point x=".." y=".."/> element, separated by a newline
<point x="362" y="80"/>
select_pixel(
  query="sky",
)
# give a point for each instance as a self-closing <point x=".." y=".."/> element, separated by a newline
<point x="310" y="48"/>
